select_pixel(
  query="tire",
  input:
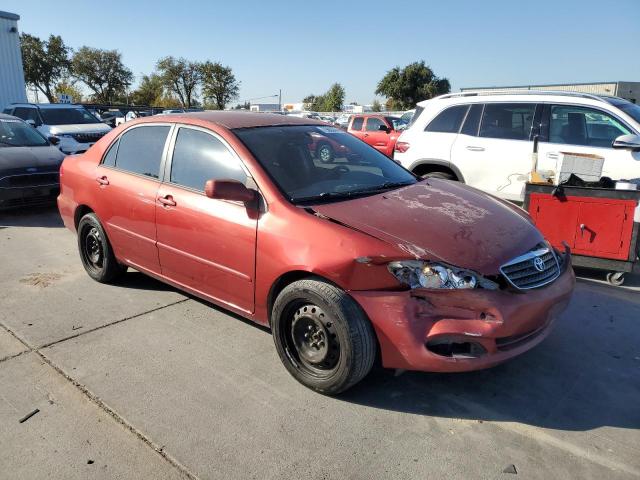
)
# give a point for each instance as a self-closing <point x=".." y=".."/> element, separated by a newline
<point x="324" y="152"/>
<point x="95" y="250"/>
<point x="341" y="345"/>
<point x="441" y="175"/>
<point x="615" y="278"/>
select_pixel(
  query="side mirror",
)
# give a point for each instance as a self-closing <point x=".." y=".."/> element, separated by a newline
<point x="53" y="140"/>
<point x="228" y="190"/>
<point x="384" y="128"/>
<point x="628" y="142"/>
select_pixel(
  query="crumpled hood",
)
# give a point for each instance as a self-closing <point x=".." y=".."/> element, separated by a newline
<point x="18" y="159"/>
<point x="441" y="220"/>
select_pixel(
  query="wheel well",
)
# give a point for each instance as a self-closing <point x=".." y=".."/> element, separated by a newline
<point x="81" y="211"/>
<point x="425" y="168"/>
<point x="282" y="282"/>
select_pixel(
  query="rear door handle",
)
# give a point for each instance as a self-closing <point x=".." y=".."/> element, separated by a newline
<point x="366" y="134"/>
<point x="167" y="201"/>
<point x="552" y="155"/>
<point x="475" y="149"/>
<point x="103" y="180"/>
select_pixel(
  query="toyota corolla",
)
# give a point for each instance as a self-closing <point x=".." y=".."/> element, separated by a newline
<point x="346" y="261"/>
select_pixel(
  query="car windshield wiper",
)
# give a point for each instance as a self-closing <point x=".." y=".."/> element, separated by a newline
<point x="352" y="193"/>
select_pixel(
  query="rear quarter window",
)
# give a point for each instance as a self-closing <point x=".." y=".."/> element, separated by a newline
<point x="449" y="120"/>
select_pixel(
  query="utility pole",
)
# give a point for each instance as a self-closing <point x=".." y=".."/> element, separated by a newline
<point x="280" y="100"/>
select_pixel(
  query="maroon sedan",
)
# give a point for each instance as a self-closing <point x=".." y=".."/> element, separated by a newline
<point x="342" y="260"/>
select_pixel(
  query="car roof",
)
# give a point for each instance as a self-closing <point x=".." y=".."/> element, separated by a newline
<point x="238" y="119"/>
<point x="4" y="116"/>
<point x="48" y="105"/>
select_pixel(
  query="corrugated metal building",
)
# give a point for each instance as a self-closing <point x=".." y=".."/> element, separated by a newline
<point x="628" y="90"/>
<point x="11" y="72"/>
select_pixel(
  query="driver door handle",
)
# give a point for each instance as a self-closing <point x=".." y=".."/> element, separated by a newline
<point x="103" y="180"/>
<point x="475" y="149"/>
<point x="167" y="201"/>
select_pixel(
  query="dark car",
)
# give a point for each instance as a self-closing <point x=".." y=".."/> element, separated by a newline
<point x="29" y="164"/>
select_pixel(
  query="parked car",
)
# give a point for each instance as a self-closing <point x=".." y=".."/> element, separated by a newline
<point x="486" y="139"/>
<point x="75" y="127"/>
<point x="113" y="118"/>
<point x="343" y="121"/>
<point x="407" y="116"/>
<point x="377" y="130"/>
<point x="341" y="261"/>
<point x="29" y="164"/>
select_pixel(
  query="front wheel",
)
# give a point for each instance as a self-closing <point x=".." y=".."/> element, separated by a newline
<point x="96" y="252"/>
<point x="322" y="336"/>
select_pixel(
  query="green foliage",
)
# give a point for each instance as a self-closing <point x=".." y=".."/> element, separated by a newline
<point x="411" y="84"/>
<point x="331" y="101"/>
<point x="68" y="87"/>
<point x="219" y="84"/>
<point x="149" y="92"/>
<point x="376" y="106"/>
<point x="103" y="72"/>
<point x="45" y="63"/>
<point x="181" y="77"/>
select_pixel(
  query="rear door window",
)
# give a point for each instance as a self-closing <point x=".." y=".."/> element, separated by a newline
<point x="357" y="123"/>
<point x="510" y="121"/>
<point x="199" y="156"/>
<point x="141" y="148"/>
<point x="449" y="120"/>
<point x="373" y="124"/>
<point x="27" y="114"/>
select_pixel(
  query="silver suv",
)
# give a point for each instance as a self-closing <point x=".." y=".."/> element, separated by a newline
<point x="73" y="125"/>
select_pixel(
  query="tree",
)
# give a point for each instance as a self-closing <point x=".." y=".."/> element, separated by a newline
<point x="310" y="101"/>
<point x="45" y="63"/>
<point x="150" y="91"/>
<point x="334" y="98"/>
<point x="218" y="84"/>
<point x="411" y="84"/>
<point x="180" y="77"/>
<point x="103" y="72"/>
<point x="376" y="106"/>
<point x="68" y="87"/>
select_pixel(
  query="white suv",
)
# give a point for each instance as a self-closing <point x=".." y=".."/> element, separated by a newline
<point x="486" y="139"/>
<point x="75" y="127"/>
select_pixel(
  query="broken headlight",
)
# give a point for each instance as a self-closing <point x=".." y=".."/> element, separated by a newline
<point x="420" y="274"/>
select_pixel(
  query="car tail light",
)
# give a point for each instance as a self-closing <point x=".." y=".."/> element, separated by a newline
<point x="402" y="147"/>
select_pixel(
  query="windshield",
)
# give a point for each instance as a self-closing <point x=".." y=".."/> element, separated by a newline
<point x="314" y="164"/>
<point x="66" y="116"/>
<point x="16" y="133"/>
<point x="630" y="109"/>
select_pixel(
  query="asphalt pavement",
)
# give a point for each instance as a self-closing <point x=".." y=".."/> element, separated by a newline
<point x="138" y="380"/>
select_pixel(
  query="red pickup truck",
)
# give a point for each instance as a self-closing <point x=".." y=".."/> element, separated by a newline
<point x="377" y="130"/>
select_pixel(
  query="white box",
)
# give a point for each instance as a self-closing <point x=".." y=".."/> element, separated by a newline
<point x="584" y="165"/>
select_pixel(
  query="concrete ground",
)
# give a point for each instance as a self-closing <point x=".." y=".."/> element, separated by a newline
<point x="141" y="381"/>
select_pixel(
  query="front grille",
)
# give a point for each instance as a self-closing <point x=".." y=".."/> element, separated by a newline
<point x="533" y="269"/>
<point x="30" y="180"/>
<point x="87" y="137"/>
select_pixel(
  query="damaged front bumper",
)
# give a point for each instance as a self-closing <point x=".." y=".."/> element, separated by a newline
<point x="461" y="330"/>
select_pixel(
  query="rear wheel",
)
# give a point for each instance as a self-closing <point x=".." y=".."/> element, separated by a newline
<point x="322" y="336"/>
<point x="96" y="252"/>
<point x="324" y="152"/>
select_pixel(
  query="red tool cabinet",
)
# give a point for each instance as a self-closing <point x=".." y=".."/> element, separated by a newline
<point x="597" y="223"/>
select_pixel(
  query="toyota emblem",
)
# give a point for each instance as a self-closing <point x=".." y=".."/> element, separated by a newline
<point x="539" y="264"/>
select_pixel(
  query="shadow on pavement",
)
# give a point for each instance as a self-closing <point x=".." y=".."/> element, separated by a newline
<point x="32" y="216"/>
<point x="139" y="281"/>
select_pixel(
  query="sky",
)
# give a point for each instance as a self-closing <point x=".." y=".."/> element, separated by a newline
<point x="302" y="47"/>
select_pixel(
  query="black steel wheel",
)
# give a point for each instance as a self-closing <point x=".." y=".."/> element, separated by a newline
<point x="96" y="252"/>
<point x="324" y="152"/>
<point x="322" y="336"/>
